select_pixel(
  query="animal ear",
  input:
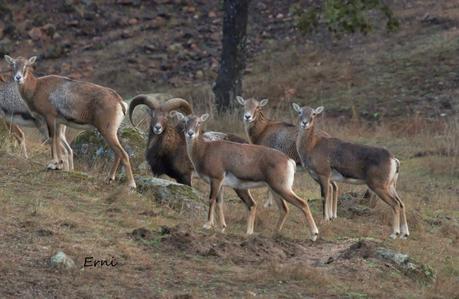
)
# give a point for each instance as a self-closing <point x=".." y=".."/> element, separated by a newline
<point x="318" y="110"/>
<point x="177" y="114"/>
<point x="9" y="59"/>
<point x="2" y="78"/>
<point x="264" y="102"/>
<point x="296" y="107"/>
<point x="204" y="117"/>
<point x="240" y="100"/>
<point x="31" y="60"/>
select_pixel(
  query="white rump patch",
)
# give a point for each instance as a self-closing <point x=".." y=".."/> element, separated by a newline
<point x="393" y="175"/>
<point x="290" y="173"/>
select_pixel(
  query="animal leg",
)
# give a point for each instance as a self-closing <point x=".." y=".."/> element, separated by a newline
<point x="67" y="147"/>
<point x="269" y="202"/>
<point x="283" y="211"/>
<point x="251" y="205"/>
<point x="291" y="197"/>
<point x="404" y="231"/>
<point x="41" y="126"/>
<point x="120" y="156"/>
<point x="18" y="134"/>
<point x="335" y="199"/>
<point x="325" y="188"/>
<point x="215" y="186"/>
<point x="56" y="163"/>
<point x="385" y="195"/>
<point x="221" y="212"/>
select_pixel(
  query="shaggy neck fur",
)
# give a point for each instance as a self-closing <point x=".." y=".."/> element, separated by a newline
<point x="167" y="139"/>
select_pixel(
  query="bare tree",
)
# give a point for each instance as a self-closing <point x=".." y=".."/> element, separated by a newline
<point x="339" y="17"/>
<point x="233" y="59"/>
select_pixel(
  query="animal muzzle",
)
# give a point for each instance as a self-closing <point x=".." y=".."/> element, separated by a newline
<point x="190" y="134"/>
<point x="18" y="78"/>
<point x="157" y="129"/>
<point x="304" y="124"/>
<point x="248" y="117"/>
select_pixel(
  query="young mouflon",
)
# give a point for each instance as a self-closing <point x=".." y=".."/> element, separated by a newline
<point x="242" y="166"/>
<point x="331" y="159"/>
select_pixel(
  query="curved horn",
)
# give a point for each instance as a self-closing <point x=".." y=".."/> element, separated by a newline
<point x="142" y="99"/>
<point x="177" y="104"/>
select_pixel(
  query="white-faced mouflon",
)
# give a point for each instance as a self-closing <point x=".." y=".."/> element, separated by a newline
<point x="328" y="158"/>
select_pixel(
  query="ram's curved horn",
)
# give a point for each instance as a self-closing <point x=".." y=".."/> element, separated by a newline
<point x="142" y="99"/>
<point x="177" y="104"/>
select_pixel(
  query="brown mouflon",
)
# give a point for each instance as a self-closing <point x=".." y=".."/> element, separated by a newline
<point x="328" y="158"/>
<point x="63" y="101"/>
<point x="241" y="166"/>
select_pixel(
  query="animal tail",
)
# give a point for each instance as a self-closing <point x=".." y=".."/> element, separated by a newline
<point x="394" y="178"/>
<point x="291" y="168"/>
<point x="293" y="163"/>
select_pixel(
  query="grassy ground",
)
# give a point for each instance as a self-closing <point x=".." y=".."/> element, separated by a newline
<point x="43" y="212"/>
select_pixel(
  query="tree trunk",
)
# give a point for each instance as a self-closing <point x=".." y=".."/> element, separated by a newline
<point x="233" y="59"/>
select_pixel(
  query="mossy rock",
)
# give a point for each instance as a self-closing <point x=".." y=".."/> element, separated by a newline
<point x="90" y="147"/>
<point x="371" y="249"/>
<point x="179" y="197"/>
<point x="417" y="271"/>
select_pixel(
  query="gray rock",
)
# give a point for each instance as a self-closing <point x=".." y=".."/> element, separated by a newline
<point x="371" y="248"/>
<point x="181" y="198"/>
<point x="407" y="265"/>
<point x="90" y="147"/>
<point x="61" y="260"/>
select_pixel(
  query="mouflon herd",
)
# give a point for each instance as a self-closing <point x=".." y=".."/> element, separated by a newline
<point x="179" y="147"/>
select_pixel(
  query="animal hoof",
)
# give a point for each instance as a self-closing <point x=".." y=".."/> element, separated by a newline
<point x="207" y="225"/>
<point x="314" y="237"/>
<point x="132" y="186"/>
<point x="53" y="165"/>
<point x="223" y="229"/>
<point x="394" y="236"/>
<point x="404" y="236"/>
